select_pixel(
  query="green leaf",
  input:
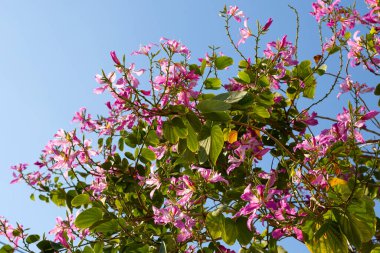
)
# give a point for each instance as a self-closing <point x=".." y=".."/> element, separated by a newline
<point x="304" y="72"/>
<point x="194" y="121"/>
<point x="174" y="129"/>
<point x="309" y="91"/>
<point x="202" y="154"/>
<point x="203" y="66"/>
<point x="7" y="249"/>
<point x="211" y="143"/>
<point x="333" y="50"/>
<point x="131" y="140"/>
<point x="169" y="133"/>
<point x="121" y="144"/>
<point x="322" y="70"/>
<point x="152" y="138"/>
<point x="214" y="224"/>
<point x="32" y="239"/>
<point x="223" y="62"/>
<point x="48" y="246"/>
<point x="217" y="116"/>
<point x="243" y="64"/>
<point x="179" y="127"/>
<point x="58" y="197"/>
<point x="148" y="154"/>
<point x="186" y="158"/>
<point x="358" y="222"/>
<point x="229" y="232"/>
<point x="329" y="240"/>
<point x="261" y="111"/>
<point x="88" y="249"/>
<point x="195" y="68"/>
<point x="111" y="226"/>
<point x="231" y="97"/>
<point x="98" y="247"/>
<point x="377" y="90"/>
<point x="81" y="199"/>
<point x="217" y="141"/>
<point x="244" y="76"/>
<point x="244" y="236"/>
<point x="192" y="138"/>
<point x="88" y="217"/>
<point x="213" y="83"/>
<point x="162" y="248"/>
<point x="263" y="81"/>
<point x="212" y="105"/>
<point x="266" y="99"/>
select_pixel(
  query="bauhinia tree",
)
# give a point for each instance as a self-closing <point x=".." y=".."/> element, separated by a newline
<point x="188" y="160"/>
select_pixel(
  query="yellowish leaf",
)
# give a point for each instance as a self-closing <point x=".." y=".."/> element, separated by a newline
<point x="232" y="136"/>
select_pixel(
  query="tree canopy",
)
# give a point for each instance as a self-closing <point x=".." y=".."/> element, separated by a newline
<point x="189" y="159"/>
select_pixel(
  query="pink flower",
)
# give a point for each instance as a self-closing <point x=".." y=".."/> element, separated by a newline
<point x="19" y="168"/>
<point x="245" y="32"/>
<point x="152" y="181"/>
<point x="64" y="231"/>
<point x="349" y="85"/>
<point x="111" y="77"/>
<point x="236" y="13"/>
<point x="86" y="123"/>
<point x="176" y="47"/>
<point x="99" y="182"/>
<point x="370" y="115"/>
<point x="144" y="49"/>
<point x="172" y="214"/>
<point x="225" y="250"/>
<point x="321" y="9"/>
<point x="355" y="49"/>
<point x="158" y="151"/>
<point x="267" y="25"/>
<point x="114" y="58"/>
<point x="210" y="175"/>
<point x="277" y="233"/>
<point x="13" y="234"/>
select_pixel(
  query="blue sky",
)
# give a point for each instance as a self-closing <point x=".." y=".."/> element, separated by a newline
<point x="51" y="50"/>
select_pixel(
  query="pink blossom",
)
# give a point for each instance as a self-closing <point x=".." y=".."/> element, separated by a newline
<point x="158" y="151"/>
<point x="349" y="85"/>
<point x="176" y="47"/>
<point x="184" y="188"/>
<point x="355" y="49"/>
<point x="114" y="58"/>
<point x="111" y="77"/>
<point x="298" y="233"/>
<point x="369" y="115"/>
<point x="144" y="50"/>
<point x="14" y="234"/>
<point x="277" y="233"/>
<point x="236" y="13"/>
<point x="152" y="181"/>
<point x="245" y="32"/>
<point x="64" y="231"/>
<point x="267" y="25"/>
<point x="372" y="3"/>
<point x="172" y="214"/>
<point x="99" y="182"/>
<point x="20" y="168"/>
<point x="225" y="250"/>
<point x="321" y="9"/>
<point x="145" y="92"/>
<point x="87" y="124"/>
<point x="210" y="175"/>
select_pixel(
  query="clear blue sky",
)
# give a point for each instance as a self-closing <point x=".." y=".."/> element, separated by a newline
<point x="51" y="50"/>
